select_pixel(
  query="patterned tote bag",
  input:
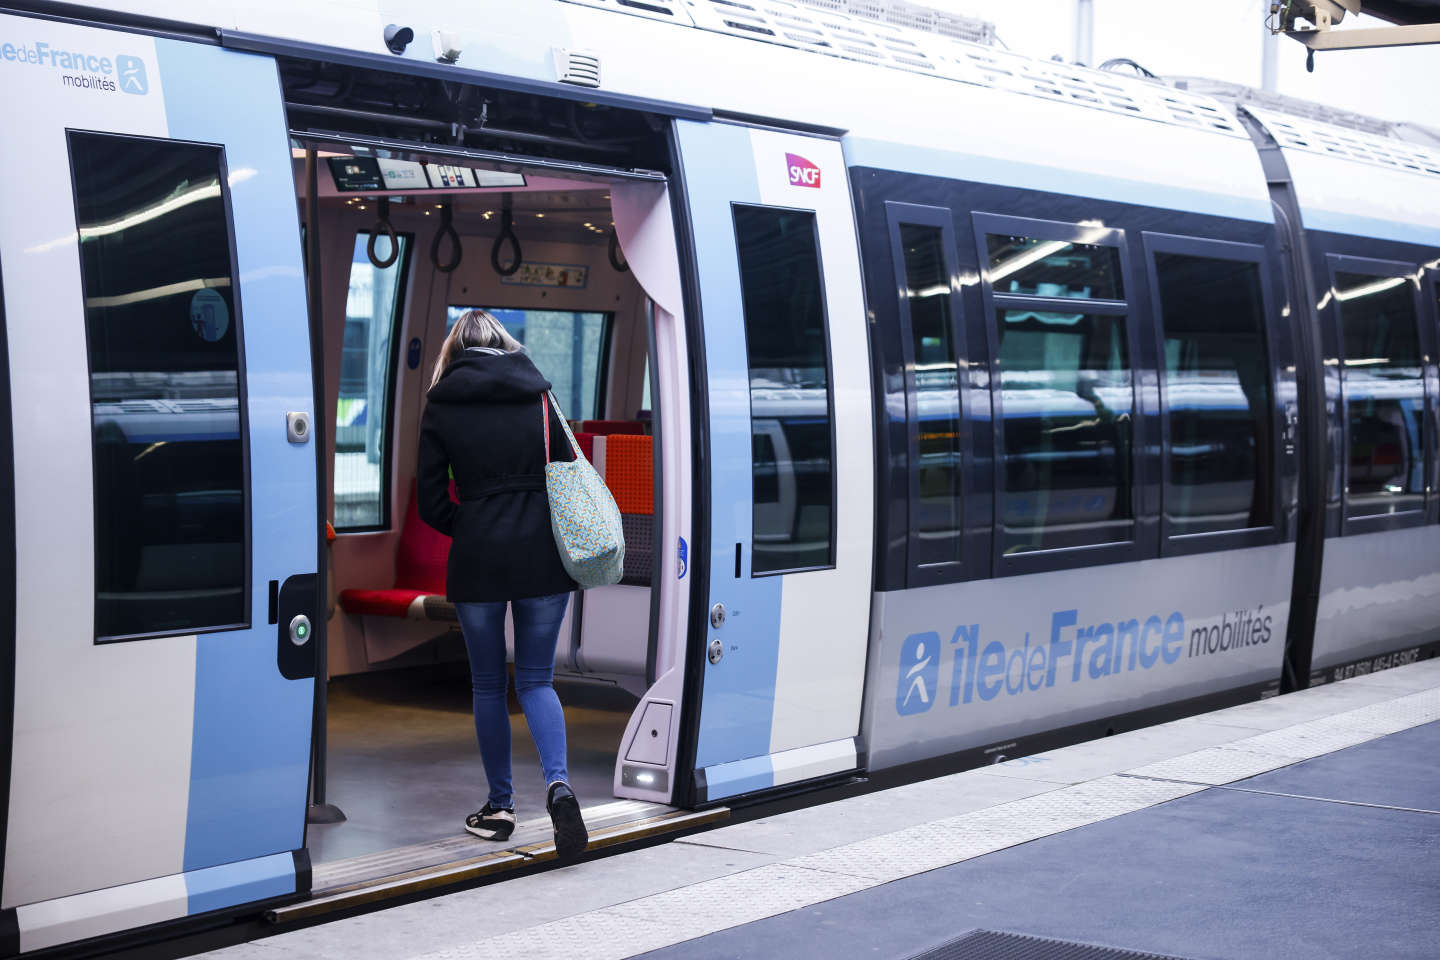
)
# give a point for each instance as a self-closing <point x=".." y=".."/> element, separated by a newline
<point x="583" y="515"/>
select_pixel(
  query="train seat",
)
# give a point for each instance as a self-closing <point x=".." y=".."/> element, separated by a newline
<point x="419" y="590"/>
<point x="605" y="428"/>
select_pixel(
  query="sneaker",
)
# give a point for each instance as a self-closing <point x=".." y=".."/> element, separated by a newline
<point x="570" y="833"/>
<point x="491" y="823"/>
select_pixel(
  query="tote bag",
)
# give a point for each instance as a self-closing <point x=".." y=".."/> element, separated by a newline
<point x="583" y="515"/>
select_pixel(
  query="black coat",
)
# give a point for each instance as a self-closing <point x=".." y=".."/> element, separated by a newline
<point x="483" y="423"/>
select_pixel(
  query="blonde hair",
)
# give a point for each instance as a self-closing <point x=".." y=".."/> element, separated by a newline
<point x="475" y="328"/>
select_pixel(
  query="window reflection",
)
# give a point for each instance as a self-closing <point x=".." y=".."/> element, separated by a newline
<point x="935" y="512"/>
<point x="1054" y="268"/>
<point x="1065" y="388"/>
<point x="1385" y="394"/>
<point x="792" y="443"/>
<point x="1217" y="381"/>
<point x="163" y="344"/>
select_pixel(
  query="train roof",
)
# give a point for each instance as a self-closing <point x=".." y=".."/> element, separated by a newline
<point x="913" y="90"/>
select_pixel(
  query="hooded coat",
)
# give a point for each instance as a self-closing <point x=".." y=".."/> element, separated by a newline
<point x="483" y="423"/>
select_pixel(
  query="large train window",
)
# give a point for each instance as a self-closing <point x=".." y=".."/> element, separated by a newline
<point x="163" y="330"/>
<point x="1383" y="384"/>
<point x="1063" y="386"/>
<point x="922" y="242"/>
<point x="793" y="443"/>
<point x="569" y="347"/>
<point x="367" y="382"/>
<point x="1219" y="426"/>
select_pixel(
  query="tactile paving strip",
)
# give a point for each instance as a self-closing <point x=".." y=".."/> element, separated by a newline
<point x="995" y="945"/>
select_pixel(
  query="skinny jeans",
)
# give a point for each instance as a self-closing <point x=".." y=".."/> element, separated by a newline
<point x="537" y="625"/>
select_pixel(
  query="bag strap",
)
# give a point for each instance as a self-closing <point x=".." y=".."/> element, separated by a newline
<point x="575" y="446"/>
<point x="545" y="419"/>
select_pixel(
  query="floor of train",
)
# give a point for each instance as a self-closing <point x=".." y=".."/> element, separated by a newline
<point x="405" y="769"/>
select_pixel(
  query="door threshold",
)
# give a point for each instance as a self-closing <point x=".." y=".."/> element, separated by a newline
<point x="405" y="871"/>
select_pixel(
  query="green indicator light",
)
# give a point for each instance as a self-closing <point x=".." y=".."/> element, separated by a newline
<point x="301" y="630"/>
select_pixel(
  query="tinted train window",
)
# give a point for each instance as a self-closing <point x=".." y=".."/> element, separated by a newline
<point x="1026" y="266"/>
<point x="935" y="511"/>
<point x="1384" y="394"/>
<point x="1217" y="379"/>
<point x="789" y="361"/>
<point x="367" y="369"/>
<point x="163" y="335"/>
<point x="1066" y="393"/>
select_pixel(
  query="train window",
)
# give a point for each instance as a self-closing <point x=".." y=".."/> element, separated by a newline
<point x="1217" y="382"/>
<point x="568" y="347"/>
<point x="1032" y="267"/>
<point x="935" y="512"/>
<point x="1383" y="381"/>
<point x="1067" y="398"/>
<point x="789" y="361"/>
<point x="163" y="332"/>
<point x="367" y="374"/>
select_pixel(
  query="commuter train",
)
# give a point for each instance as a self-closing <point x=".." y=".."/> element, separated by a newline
<point x="958" y="404"/>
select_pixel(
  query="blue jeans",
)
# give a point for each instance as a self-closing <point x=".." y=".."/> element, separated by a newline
<point x="537" y="625"/>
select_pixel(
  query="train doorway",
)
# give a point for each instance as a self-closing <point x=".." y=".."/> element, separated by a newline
<point x="579" y="264"/>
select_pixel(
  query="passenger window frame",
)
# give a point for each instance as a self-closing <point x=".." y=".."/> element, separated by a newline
<point x="972" y="549"/>
<point x="1140" y="544"/>
<point x="397" y="334"/>
<point x="1413" y="274"/>
<point x="814" y="216"/>
<point x="241" y="391"/>
<point x="1184" y="544"/>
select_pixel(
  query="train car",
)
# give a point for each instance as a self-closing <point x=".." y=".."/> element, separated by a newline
<point x="957" y="405"/>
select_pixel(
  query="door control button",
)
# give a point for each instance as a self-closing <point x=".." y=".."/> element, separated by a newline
<point x="297" y="426"/>
<point x="300" y="630"/>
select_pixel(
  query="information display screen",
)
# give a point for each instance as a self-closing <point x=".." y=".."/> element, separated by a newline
<point x="371" y="175"/>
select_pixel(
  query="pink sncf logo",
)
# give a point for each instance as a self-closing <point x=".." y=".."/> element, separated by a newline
<point x="803" y="173"/>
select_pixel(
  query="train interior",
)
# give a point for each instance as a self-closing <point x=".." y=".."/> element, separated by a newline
<point x="406" y="247"/>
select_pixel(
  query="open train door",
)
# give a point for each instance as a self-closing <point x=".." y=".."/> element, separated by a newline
<point x="790" y="461"/>
<point x="165" y="519"/>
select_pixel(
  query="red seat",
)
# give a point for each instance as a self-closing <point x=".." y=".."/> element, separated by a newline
<point x="606" y="427"/>
<point x="419" y="571"/>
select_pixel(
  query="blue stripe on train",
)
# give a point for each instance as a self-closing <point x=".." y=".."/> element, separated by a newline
<point x="738" y="704"/>
<point x="251" y="742"/>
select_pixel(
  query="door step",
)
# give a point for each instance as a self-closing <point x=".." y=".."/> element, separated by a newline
<point x="405" y="871"/>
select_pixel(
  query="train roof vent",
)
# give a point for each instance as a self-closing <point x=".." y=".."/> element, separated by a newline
<point x="580" y="67"/>
<point x="672" y="10"/>
<point x="1312" y="136"/>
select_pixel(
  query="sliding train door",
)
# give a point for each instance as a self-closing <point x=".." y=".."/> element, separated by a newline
<point x="165" y="499"/>
<point x="790" y="518"/>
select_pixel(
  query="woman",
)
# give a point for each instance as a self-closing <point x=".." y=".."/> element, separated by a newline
<point x="483" y="425"/>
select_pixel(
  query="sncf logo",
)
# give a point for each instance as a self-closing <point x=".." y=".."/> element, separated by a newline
<point x="803" y="173"/>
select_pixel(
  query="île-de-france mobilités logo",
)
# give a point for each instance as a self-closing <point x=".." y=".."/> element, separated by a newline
<point x="131" y="74"/>
<point x="917" y="687"/>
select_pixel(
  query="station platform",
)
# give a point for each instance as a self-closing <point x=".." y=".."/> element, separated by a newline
<point x="1306" y="825"/>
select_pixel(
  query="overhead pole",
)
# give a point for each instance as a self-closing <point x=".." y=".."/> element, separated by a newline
<point x="1084" y="33"/>
<point x="1269" y="56"/>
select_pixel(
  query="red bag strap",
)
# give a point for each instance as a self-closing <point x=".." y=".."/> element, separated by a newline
<point x="545" y="419"/>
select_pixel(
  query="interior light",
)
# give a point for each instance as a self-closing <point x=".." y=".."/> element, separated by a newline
<point x="541" y="215"/>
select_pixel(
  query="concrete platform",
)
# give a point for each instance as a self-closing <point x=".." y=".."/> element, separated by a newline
<point x="1302" y="826"/>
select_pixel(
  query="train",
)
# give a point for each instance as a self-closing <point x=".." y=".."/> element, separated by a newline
<point x="958" y="405"/>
